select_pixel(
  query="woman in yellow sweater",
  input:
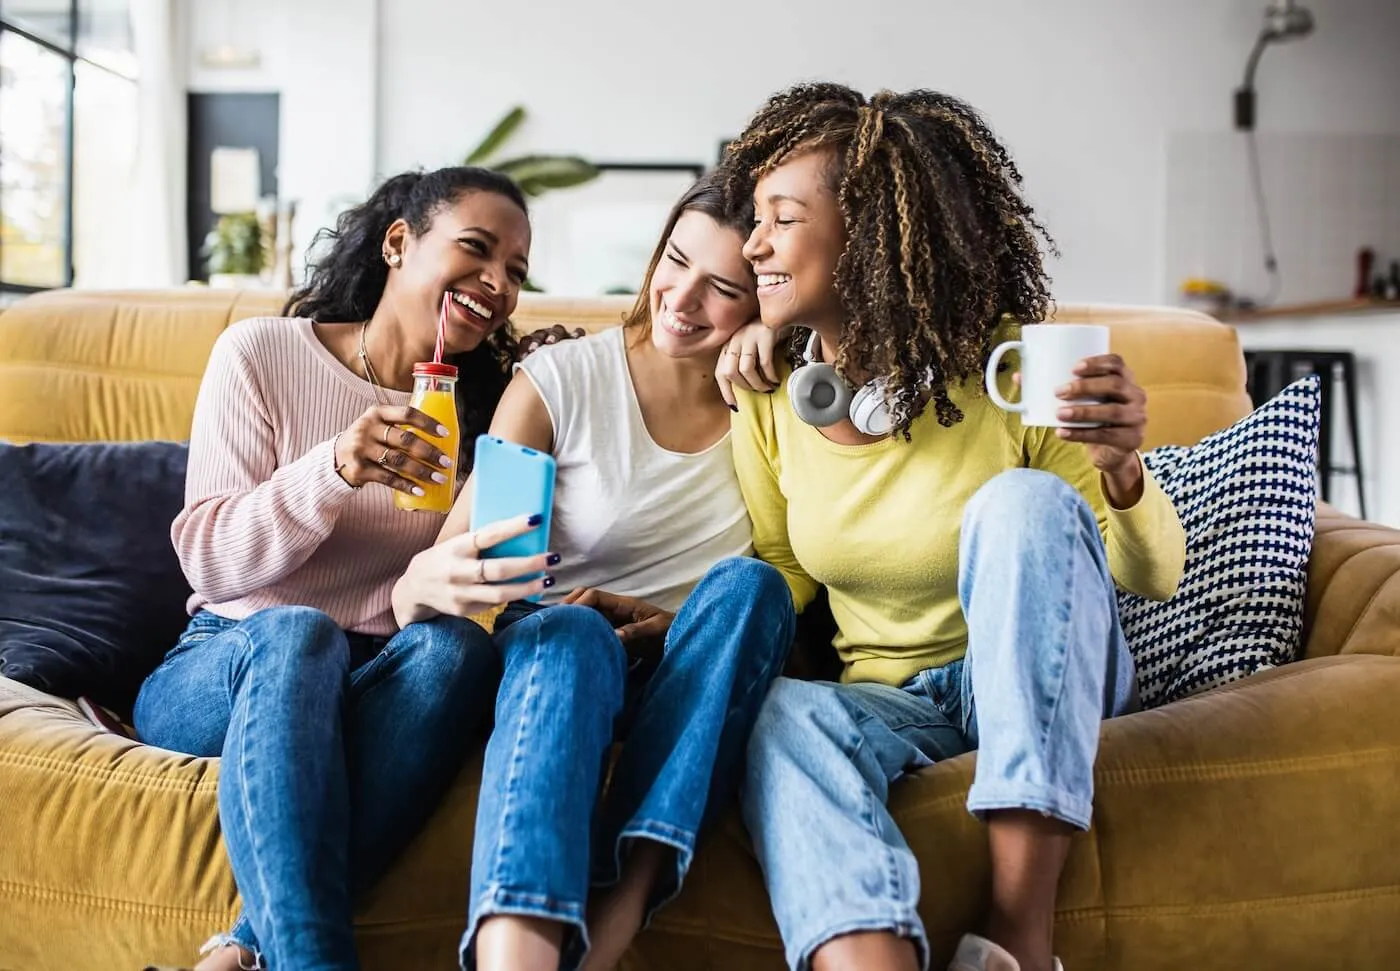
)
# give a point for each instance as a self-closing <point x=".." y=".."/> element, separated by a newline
<point x="970" y="561"/>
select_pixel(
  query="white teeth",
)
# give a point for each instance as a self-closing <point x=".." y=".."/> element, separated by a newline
<point x="672" y="324"/>
<point x="466" y="301"/>
<point x="773" y="279"/>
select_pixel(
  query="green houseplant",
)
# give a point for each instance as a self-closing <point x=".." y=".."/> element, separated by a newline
<point x="234" y="250"/>
<point x="535" y="174"/>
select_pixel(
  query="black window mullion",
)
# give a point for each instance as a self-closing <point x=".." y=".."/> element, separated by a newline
<point x="68" y="182"/>
<point x="70" y="54"/>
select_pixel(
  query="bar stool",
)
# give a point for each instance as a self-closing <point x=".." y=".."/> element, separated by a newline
<point x="1270" y="371"/>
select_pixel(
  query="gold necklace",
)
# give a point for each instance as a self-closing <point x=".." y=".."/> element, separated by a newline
<point x="368" y="368"/>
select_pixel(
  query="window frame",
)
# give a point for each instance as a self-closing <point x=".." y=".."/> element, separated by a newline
<point x="69" y="53"/>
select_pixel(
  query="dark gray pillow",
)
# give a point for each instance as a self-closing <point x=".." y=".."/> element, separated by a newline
<point x="91" y="593"/>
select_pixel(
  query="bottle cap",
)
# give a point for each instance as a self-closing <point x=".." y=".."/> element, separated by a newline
<point x="428" y="369"/>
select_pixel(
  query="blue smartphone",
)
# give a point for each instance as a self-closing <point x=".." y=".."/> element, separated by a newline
<point x="510" y="480"/>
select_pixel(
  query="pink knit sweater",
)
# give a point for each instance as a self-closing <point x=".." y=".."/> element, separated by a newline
<point x="267" y="522"/>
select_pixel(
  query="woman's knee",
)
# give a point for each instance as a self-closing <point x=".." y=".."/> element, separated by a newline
<point x="787" y="714"/>
<point x="453" y="649"/>
<point x="295" y="634"/>
<point x="746" y="574"/>
<point x="1018" y="498"/>
<point x="569" y="637"/>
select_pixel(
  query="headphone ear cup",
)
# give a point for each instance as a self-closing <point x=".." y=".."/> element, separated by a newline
<point x="818" y="395"/>
<point x="870" y="411"/>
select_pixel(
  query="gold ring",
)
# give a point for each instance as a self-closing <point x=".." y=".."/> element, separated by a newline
<point x="480" y="571"/>
<point x="384" y="459"/>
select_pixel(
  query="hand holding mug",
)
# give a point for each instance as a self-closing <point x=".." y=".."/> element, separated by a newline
<point x="1071" y="382"/>
<point x="1120" y="413"/>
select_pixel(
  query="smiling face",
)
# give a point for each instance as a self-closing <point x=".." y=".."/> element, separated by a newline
<point x="797" y="239"/>
<point x="702" y="290"/>
<point x="477" y="250"/>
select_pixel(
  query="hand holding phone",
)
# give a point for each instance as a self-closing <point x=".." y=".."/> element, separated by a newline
<point x="510" y="481"/>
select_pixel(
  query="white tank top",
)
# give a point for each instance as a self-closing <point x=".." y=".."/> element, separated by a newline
<point x="630" y="517"/>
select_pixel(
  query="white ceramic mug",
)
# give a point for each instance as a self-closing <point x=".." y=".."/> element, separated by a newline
<point x="1049" y="353"/>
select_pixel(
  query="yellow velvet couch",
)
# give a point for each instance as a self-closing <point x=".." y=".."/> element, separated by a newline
<point x="1252" y="827"/>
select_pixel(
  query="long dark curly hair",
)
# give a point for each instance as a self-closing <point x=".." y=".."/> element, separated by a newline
<point x="347" y="279"/>
<point x="940" y="243"/>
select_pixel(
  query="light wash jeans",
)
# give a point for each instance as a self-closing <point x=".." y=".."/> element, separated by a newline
<point x="542" y="838"/>
<point x="335" y="750"/>
<point x="1046" y="662"/>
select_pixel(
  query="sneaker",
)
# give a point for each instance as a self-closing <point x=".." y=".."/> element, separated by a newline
<point x="979" y="954"/>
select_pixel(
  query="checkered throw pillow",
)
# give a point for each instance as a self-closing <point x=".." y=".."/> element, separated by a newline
<point x="1247" y="498"/>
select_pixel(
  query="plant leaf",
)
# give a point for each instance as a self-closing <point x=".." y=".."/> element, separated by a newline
<point x="537" y="174"/>
<point x="497" y="137"/>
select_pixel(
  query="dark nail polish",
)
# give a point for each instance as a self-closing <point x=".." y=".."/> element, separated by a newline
<point x="534" y="520"/>
<point x="734" y="408"/>
<point x="548" y="582"/>
<point x="552" y="559"/>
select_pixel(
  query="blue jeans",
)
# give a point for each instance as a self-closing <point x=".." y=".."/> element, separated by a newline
<point x="539" y="841"/>
<point x="1046" y="662"/>
<point x="335" y="749"/>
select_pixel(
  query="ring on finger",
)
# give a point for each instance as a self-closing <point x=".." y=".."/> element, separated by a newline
<point x="734" y="352"/>
<point x="480" y="571"/>
<point x="384" y="459"/>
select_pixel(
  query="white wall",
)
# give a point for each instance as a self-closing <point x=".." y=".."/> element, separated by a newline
<point x="1086" y="92"/>
<point x="322" y="57"/>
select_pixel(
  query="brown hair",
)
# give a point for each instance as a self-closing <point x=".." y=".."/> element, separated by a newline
<point x="705" y="195"/>
<point x="940" y="244"/>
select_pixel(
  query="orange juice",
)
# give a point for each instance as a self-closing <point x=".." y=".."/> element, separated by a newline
<point x="434" y="394"/>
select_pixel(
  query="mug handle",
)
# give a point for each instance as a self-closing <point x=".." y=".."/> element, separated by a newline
<point x="991" y="377"/>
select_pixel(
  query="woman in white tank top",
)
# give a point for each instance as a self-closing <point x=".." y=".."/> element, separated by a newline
<point x="657" y="622"/>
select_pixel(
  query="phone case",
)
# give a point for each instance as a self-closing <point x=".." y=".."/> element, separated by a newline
<point x="510" y="480"/>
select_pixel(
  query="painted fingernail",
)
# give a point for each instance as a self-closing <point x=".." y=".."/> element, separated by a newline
<point x="417" y="491"/>
<point x="439" y="478"/>
<point x="445" y="461"/>
<point x="534" y="520"/>
<point x="548" y="582"/>
<point x="552" y="559"/>
<point x="442" y="431"/>
<point x="734" y="408"/>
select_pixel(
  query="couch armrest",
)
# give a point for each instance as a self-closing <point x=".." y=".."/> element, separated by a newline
<point x="111" y="847"/>
<point x="1353" y="602"/>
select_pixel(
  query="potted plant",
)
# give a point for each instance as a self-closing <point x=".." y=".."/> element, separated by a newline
<point x="234" y="251"/>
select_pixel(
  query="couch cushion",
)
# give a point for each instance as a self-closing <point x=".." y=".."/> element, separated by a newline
<point x="1247" y="497"/>
<point x="91" y="593"/>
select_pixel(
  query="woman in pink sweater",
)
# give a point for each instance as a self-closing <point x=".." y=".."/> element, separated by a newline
<point x="339" y="732"/>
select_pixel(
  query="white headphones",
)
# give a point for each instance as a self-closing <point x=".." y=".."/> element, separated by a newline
<point x="821" y="398"/>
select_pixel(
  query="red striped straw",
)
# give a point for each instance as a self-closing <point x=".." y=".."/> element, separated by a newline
<point x="442" y="328"/>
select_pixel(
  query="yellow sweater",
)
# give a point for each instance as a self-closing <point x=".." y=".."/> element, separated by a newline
<point x="878" y="524"/>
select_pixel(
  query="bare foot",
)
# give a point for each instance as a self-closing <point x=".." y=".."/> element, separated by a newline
<point x="865" y="951"/>
<point x="508" y="941"/>
<point x="616" y="916"/>
<point x="230" y="957"/>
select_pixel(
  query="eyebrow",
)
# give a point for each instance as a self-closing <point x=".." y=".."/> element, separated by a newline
<point x="714" y="276"/>
<point x="784" y="198"/>
<point x="495" y="240"/>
